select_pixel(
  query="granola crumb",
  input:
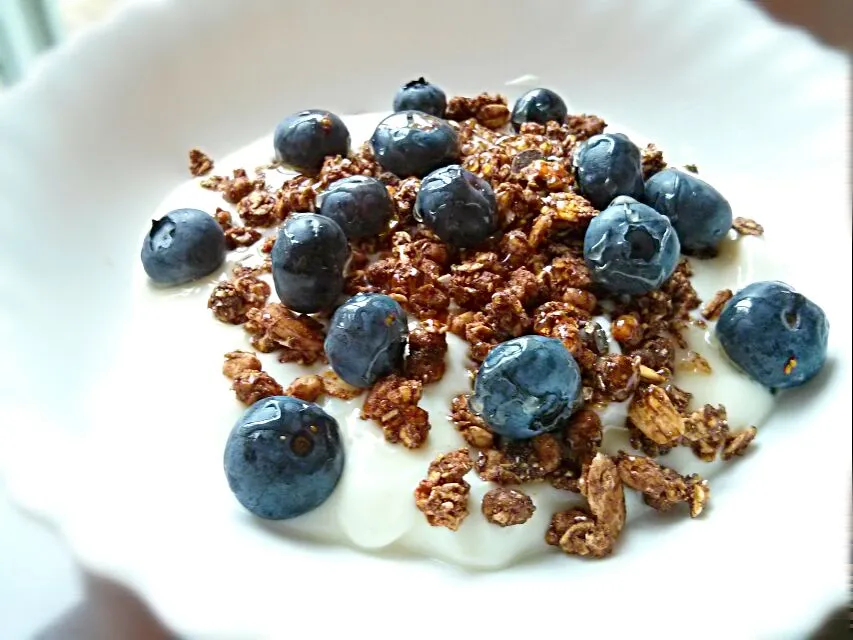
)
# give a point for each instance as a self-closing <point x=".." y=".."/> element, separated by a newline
<point x="443" y="495"/>
<point x="200" y="163"/>
<point x="224" y="218"/>
<point x="472" y="427"/>
<point x="241" y="237"/>
<point x="297" y="337"/>
<point x="662" y="487"/>
<point x="427" y="351"/>
<point x="232" y="300"/>
<point x="692" y="168"/>
<point x="747" y="227"/>
<point x="652" y="412"/>
<point x="694" y="363"/>
<point x="337" y="388"/>
<point x="737" y="442"/>
<point x="652" y="160"/>
<point x="712" y="310"/>
<point x="268" y="244"/>
<point x="238" y="361"/>
<point x="393" y="403"/>
<point x="507" y="507"/>
<point x="593" y="531"/>
<point x="706" y="430"/>
<point x="251" y="386"/>
<point x="307" y="388"/>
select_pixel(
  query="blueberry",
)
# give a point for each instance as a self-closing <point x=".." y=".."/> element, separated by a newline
<point x="606" y="166"/>
<point x="308" y="261"/>
<point x="360" y="205"/>
<point x="538" y="105"/>
<point x="367" y="338"/>
<point x="183" y="245"/>
<point x="776" y="335"/>
<point x="420" y="95"/>
<point x="700" y="214"/>
<point x="457" y="205"/>
<point x="283" y="458"/>
<point x="411" y="143"/>
<point x="527" y="386"/>
<point x="630" y="248"/>
<point x="304" y="140"/>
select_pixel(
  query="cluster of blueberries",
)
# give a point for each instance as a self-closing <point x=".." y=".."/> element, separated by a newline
<point x="284" y="457"/>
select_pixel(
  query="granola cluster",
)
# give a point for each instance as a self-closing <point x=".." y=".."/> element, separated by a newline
<point x="531" y="278"/>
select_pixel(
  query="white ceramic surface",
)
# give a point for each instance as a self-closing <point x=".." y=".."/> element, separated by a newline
<point x="92" y="142"/>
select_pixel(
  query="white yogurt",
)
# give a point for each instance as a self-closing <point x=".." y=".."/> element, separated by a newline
<point x="373" y="505"/>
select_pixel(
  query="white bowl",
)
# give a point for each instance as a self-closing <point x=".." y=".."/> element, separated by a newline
<point x="94" y="139"/>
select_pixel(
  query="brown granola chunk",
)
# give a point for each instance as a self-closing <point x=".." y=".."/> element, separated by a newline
<point x="450" y="466"/>
<point x="737" y="442"/>
<point x="236" y="187"/>
<point x="200" y="163"/>
<point x="747" y="227"/>
<point x="237" y="362"/>
<point x="337" y="388"/>
<point x="593" y="531"/>
<point x="627" y="331"/>
<point x="519" y="461"/>
<point x="241" y="237"/>
<point x="298" y="337"/>
<point x="268" y="244"/>
<point x="662" y="487"/>
<point x="393" y="403"/>
<point x="705" y="431"/>
<point x="652" y="412"/>
<point x="489" y="110"/>
<point x="250" y="386"/>
<point x="585" y="126"/>
<point x="307" y="388"/>
<point x="444" y="505"/>
<point x="694" y="363"/>
<point x="224" y="218"/>
<point x="652" y="160"/>
<point x="427" y="351"/>
<point x="443" y="495"/>
<point x="507" y="507"/>
<point x="258" y="209"/>
<point x="472" y="427"/>
<point x="232" y="300"/>
<point x="712" y="310"/>
<point x="617" y="376"/>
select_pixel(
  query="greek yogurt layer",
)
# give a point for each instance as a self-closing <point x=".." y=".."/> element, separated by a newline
<point x="373" y="505"/>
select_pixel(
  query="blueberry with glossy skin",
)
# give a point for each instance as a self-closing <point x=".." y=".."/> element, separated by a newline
<point x="412" y="143"/>
<point x="308" y="260"/>
<point x="304" y="140"/>
<point x="776" y="335"/>
<point x="366" y="338"/>
<point x="359" y="204"/>
<point x="420" y="95"/>
<point x="700" y="214"/>
<point x="538" y="105"/>
<point x="459" y="206"/>
<point x="527" y="386"/>
<point x="630" y="248"/>
<point x="283" y="458"/>
<point x="182" y="246"/>
<point x="606" y="166"/>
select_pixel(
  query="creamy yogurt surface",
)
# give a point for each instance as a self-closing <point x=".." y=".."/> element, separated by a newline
<point x="373" y="505"/>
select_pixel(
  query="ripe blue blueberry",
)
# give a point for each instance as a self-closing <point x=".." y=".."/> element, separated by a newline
<point x="420" y="95"/>
<point x="283" y="458"/>
<point x="459" y="206"/>
<point x="700" y="214"/>
<point x="538" y="105"/>
<point x="183" y="245"/>
<point x="630" y="248"/>
<point x="367" y="338"/>
<point x="308" y="260"/>
<point x="411" y="143"/>
<point x="359" y="204"/>
<point x="304" y="140"/>
<point x="776" y="335"/>
<point x="606" y="166"/>
<point x="527" y="386"/>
